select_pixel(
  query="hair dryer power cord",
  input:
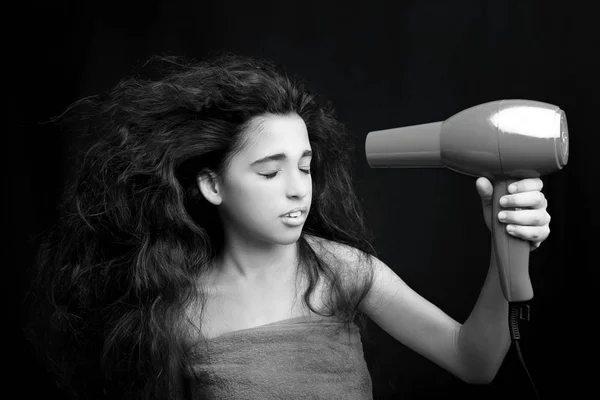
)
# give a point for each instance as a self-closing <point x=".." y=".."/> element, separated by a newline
<point x="519" y="311"/>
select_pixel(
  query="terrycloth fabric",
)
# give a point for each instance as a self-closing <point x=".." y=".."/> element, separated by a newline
<point x="297" y="358"/>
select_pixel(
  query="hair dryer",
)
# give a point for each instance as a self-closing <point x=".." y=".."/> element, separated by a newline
<point x="504" y="141"/>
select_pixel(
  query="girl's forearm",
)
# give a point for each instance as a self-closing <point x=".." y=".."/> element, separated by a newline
<point x="484" y="338"/>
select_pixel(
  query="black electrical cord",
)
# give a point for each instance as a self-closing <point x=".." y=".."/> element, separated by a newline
<point x="519" y="311"/>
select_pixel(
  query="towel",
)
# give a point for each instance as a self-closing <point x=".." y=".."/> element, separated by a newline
<point x="297" y="358"/>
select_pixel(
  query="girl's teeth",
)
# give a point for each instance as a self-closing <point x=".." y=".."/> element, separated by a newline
<point x="294" y="215"/>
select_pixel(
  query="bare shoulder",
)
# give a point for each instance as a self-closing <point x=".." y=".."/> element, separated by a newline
<point x="331" y="250"/>
<point x="358" y="267"/>
<point x="352" y="265"/>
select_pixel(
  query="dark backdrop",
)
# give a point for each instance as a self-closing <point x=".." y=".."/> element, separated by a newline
<point x="383" y="64"/>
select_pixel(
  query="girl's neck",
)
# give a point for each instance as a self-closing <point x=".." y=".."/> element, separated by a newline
<point x="244" y="261"/>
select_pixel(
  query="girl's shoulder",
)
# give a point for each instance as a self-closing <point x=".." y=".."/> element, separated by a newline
<point x="336" y="251"/>
<point x="349" y="263"/>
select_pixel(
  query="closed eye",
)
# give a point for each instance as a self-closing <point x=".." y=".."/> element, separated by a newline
<point x="272" y="175"/>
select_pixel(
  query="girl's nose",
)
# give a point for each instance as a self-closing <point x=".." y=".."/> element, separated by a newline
<point x="299" y="184"/>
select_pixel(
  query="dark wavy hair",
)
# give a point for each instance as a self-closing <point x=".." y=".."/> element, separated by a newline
<point x="113" y="277"/>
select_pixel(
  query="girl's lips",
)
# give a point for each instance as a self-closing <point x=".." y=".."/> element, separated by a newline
<point x="297" y="221"/>
<point x="301" y="209"/>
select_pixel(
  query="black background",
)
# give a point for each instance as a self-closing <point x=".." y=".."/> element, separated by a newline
<point x="383" y="64"/>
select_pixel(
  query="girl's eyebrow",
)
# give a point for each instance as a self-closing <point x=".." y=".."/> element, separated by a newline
<point x="278" y="157"/>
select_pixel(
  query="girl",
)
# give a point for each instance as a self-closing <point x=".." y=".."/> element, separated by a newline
<point x="212" y="246"/>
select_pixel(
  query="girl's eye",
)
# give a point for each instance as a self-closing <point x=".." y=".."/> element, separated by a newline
<point x="272" y="175"/>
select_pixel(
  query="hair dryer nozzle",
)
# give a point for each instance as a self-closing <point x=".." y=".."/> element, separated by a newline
<point x="410" y="147"/>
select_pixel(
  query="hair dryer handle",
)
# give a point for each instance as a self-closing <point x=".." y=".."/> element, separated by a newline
<point x="512" y="254"/>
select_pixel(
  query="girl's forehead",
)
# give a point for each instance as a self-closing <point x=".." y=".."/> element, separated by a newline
<point x="275" y="132"/>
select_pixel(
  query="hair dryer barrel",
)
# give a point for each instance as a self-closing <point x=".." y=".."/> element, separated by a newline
<point x="415" y="146"/>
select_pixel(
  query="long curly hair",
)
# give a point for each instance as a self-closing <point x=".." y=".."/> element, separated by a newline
<point x="113" y="277"/>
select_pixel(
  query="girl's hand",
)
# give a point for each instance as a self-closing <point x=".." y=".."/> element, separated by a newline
<point x="531" y="222"/>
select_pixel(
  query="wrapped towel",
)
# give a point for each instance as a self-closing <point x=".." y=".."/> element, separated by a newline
<point x="297" y="358"/>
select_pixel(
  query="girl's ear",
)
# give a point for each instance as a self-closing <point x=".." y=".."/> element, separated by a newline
<point x="209" y="186"/>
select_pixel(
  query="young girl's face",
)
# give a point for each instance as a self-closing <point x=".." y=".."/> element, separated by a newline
<point x="266" y="180"/>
